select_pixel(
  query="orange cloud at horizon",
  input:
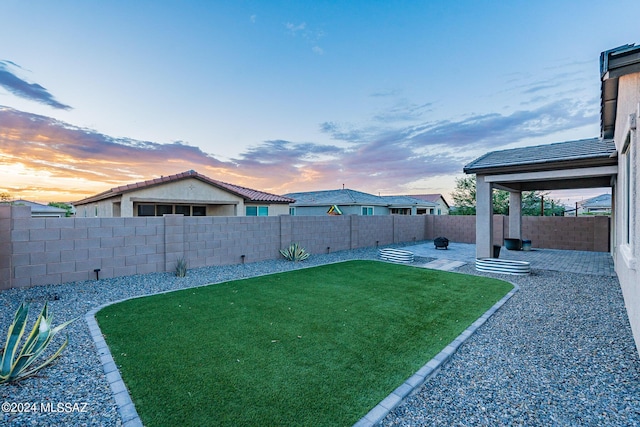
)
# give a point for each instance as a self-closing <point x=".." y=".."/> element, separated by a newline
<point x="44" y="160"/>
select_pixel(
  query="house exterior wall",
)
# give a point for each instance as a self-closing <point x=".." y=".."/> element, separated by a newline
<point x="346" y="210"/>
<point x="444" y="210"/>
<point x="40" y="251"/>
<point x="187" y="191"/>
<point x="626" y="254"/>
<point x="275" y="209"/>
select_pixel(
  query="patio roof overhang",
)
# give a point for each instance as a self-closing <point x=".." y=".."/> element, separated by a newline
<point x="589" y="163"/>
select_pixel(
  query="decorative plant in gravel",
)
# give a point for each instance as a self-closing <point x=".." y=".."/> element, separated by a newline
<point x="294" y="253"/>
<point x="181" y="267"/>
<point x="15" y="368"/>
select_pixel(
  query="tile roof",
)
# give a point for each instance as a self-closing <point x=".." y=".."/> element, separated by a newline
<point x="408" y="201"/>
<point x="352" y="197"/>
<point x="246" y="193"/>
<point x="335" y="197"/>
<point x="430" y="197"/>
<point x="601" y="201"/>
<point x="38" y="207"/>
<point x="584" y="149"/>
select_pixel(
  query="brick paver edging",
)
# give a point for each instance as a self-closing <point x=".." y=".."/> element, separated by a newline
<point x="429" y="370"/>
<point x="130" y="418"/>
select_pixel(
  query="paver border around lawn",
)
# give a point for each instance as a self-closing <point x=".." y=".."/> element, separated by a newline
<point x="130" y="417"/>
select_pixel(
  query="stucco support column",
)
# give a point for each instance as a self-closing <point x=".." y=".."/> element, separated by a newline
<point x="484" y="218"/>
<point x="515" y="215"/>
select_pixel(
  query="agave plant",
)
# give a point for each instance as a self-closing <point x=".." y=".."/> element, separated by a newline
<point x="294" y="253"/>
<point x="15" y="368"/>
<point x="181" y="267"/>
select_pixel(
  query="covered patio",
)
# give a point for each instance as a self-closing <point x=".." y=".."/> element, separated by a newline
<point x="585" y="163"/>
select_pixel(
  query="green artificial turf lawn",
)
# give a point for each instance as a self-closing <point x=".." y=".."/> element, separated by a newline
<point x="317" y="346"/>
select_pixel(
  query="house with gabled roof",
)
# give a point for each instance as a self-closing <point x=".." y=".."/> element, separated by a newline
<point x="352" y="202"/>
<point x="437" y="198"/>
<point x="38" y="210"/>
<point x="598" y="205"/>
<point x="611" y="160"/>
<point x="188" y="193"/>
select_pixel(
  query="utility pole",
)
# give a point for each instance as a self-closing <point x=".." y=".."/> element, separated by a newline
<point x="541" y="205"/>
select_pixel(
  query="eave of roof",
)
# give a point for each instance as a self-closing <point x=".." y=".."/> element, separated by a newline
<point x="247" y="194"/>
<point x="614" y="63"/>
<point x="561" y="155"/>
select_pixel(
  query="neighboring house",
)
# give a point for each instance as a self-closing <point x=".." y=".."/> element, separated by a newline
<point x="352" y="202"/>
<point x="40" y="210"/>
<point x="187" y="193"/>
<point x="407" y="205"/>
<point x="443" y="207"/>
<point x="599" y="205"/>
<point x="612" y="160"/>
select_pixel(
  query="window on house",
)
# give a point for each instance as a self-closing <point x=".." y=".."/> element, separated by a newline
<point x="199" y="210"/>
<point x="257" y="210"/>
<point x="292" y="211"/>
<point x="184" y="210"/>
<point x="367" y="210"/>
<point x="164" y="210"/>
<point x="146" y="210"/>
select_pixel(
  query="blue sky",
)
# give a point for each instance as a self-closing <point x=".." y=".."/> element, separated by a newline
<point x="389" y="97"/>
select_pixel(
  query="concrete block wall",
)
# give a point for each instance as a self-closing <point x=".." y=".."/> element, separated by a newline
<point x="371" y="231"/>
<point x="6" y="246"/>
<point x="456" y="228"/>
<point x="568" y="233"/>
<point x="38" y="251"/>
<point x="317" y="233"/>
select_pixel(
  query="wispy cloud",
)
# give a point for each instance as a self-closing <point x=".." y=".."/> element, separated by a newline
<point x="489" y="131"/>
<point x="311" y="36"/>
<point x="19" y="87"/>
<point x="295" y="29"/>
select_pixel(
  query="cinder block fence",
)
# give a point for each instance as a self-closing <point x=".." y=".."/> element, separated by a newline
<point x="39" y="251"/>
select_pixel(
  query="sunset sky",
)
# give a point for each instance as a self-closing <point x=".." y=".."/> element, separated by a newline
<point x="386" y="97"/>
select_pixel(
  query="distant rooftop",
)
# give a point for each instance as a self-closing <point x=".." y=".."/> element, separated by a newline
<point x="342" y="197"/>
<point x="601" y="201"/>
<point x="347" y="197"/>
<point x="244" y="192"/>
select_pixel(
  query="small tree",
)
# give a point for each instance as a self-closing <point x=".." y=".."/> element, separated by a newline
<point x="5" y="197"/>
<point x="62" y="205"/>
<point x="464" y="198"/>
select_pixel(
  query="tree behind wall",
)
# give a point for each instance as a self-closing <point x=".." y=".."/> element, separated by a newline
<point x="464" y="199"/>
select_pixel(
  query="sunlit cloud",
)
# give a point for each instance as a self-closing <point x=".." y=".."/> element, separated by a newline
<point x="23" y="89"/>
<point x="46" y="159"/>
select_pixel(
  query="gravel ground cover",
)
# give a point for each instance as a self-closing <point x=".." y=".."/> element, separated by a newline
<point x="559" y="353"/>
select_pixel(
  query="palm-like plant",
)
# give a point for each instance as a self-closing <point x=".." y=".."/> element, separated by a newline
<point x="15" y="368"/>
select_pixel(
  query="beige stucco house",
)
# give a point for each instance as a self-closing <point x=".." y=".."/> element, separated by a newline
<point x="611" y="160"/>
<point x="438" y="199"/>
<point x="187" y="193"/>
